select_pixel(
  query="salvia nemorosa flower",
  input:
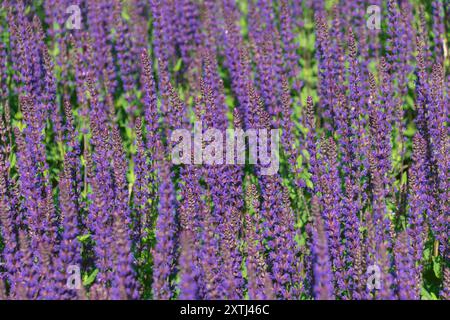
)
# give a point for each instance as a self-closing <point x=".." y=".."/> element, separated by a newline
<point x="97" y="23"/>
<point x="331" y="211"/>
<point x="288" y="43"/>
<point x="337" y="69"/>
<point x="379" y="132"/>
<point x="142" y="192"/>
<point x="377" y="260"/>
<point x="164" y="252"/>
<point x="4" y="90"/>
<point x="322" y="272"/>
<point x="287" y="139"/>
<point x="324" y="59"/>
<point x="232" y="258"/>
<point x="357" y="112"/>
<point x="86" y="122"/>
<point x="404" y="265"/>
<point x="354" y="246"/>
<point x="397" y="47"/>
<point x="188" y="284"/>
<point x="73" y="152"/>
<point x="310" y="141"/>
<point x="419" y="207"/>
<point x="69" y="248"/>
<point x="438" y="29"/>
<point x="124" y="56"/>
<point x="445" y="292"/>
<point x="8" y="226"/>
<point x="215" y="286"/>
<point x="437" y="135"/>
<point x="163" y="28"/>
<point x="260" y="285"/>
<point x="187" y="29"/>
<point x="383" y="224"/>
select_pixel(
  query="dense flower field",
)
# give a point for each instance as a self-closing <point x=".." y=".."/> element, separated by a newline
<point x="93" y="205"/>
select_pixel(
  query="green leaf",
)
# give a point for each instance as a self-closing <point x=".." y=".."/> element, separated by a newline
<point x="410" y="130"/>
<point x="55" y="51"/>
<point x="125" y="16"/>
<point x="437" y="268"/>
<point x="229" y="101"/>
<point x="426" y="253"/>
<point x="18" y="115"/>
<point x="138" y="94"/>
<point x="13" y="159"/>
<point x="20" y="125"/>
<point x="56" y="26"/>
<point x="87" y="280"/>
<point x="404" y="178"/>
<point x="131" y="177"/>
<point x="178" y="65"/>
<point x="299" y="161"/>
<point x="306" y="154"/>
<point x="425" y="294"/>
<point x="128" y="132"/>
<point x="309" y="184"/>
<point x="84" y="237"/>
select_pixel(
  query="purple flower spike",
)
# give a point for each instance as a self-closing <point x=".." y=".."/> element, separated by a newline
<point x="323" y="276"/>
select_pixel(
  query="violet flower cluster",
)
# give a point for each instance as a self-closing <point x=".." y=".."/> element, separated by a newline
<point x="92" y="205"/>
